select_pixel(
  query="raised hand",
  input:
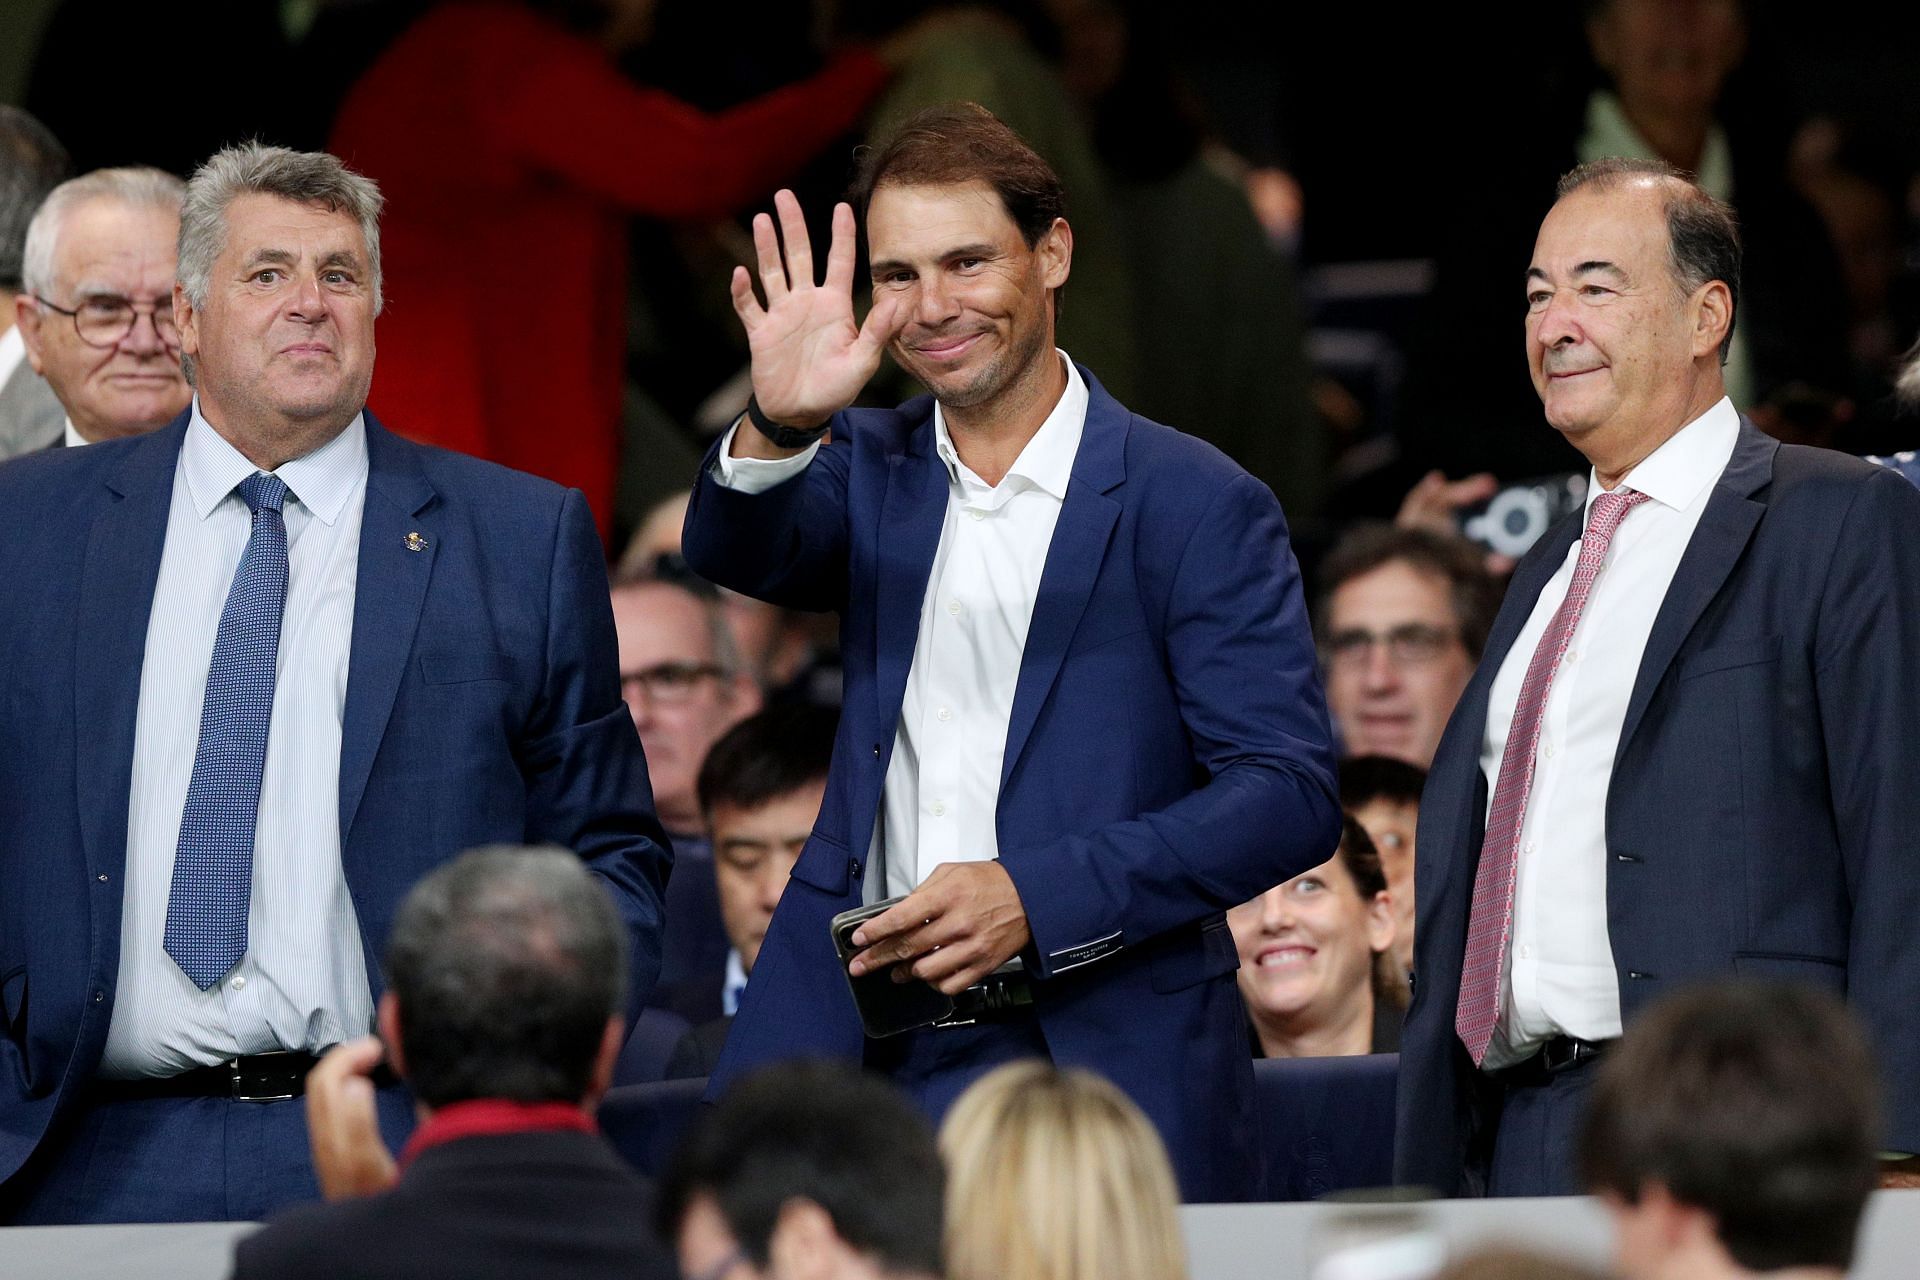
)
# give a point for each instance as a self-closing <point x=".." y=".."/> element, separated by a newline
<point x="809" y="357"/>
<point x="349" y="1157"/>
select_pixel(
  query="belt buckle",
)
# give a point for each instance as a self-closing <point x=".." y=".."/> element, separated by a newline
<point x="242" y="1082"/>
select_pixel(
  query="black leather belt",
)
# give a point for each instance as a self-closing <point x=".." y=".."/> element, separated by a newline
<point x="257" y="1077"/>
<point x="1560" y="1054"/>
<point x="998" y="997"/>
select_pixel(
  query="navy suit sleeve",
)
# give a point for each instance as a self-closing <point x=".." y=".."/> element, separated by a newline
<point x="1868" y="686"/>
<point x="788" y="545"/>
<point x="586" y="778"/>
<point x="1241" y="660"/>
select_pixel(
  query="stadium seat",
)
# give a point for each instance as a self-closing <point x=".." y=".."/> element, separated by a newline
<point x="649" y="1045"/>
<point x="1326" y="1123"/>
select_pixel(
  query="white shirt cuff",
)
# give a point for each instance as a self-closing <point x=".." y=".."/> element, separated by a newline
<point x="755" y="475"/>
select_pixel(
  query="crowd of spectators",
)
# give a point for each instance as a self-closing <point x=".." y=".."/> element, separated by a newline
<point x="565" y="187"/>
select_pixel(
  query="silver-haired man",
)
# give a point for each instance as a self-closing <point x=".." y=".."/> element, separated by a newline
<point x="97" y="312"/>
<point x="273" y="664"/>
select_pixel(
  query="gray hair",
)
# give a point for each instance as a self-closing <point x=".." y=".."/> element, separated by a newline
<point x="507" y="963"/>
<point x="135" y="186"/>
<point x="32" y="163"/>
<point x="726" y="654"/>
<point x="304" y="177"/>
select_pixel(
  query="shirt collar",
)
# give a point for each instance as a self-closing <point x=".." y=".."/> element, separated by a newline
<point x="320" y="481"/>
<point x="734" y="984"/>
<point x="1047" y="460"/>
<point x="491" y="1117"/>
<point x="70" y="436"/>
<point x="1675" y="474"/>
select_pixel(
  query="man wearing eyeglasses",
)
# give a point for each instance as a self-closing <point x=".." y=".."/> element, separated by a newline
<point x="1403" y="616"/>
<point x="97" y="313"/>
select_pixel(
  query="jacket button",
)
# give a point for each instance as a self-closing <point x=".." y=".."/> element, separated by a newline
<point x="1638" y="976"/>
<point x="853" y="867"/>
<point x="876" y="751"/>
<point x="1625" y="857"/>
<point x="99" y="996"/>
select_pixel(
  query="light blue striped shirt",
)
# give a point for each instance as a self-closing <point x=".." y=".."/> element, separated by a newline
<point x="303" y="982"/>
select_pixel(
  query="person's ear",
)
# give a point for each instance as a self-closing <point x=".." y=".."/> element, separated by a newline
<point x="1712" y="318"/>
<point x="1055" y="252"/>
<point x="743" y="691"/>
<point x="27" y="315"/>
<point x="613" y="1038"/>
<point x="186" y="321"/>
<point x="1382" y="925"/>
<point x="388" y="1022"/>
<point x="804" y="1244"/>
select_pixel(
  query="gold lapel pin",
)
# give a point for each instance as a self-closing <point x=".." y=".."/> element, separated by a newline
<point x="415" y="542"/>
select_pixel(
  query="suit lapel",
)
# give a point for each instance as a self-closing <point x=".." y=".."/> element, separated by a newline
<point x="912" y="513"/>
<point x="1079" y="544"/>
<point x="391" y="587"/>
<point x="1725" y="528"/>
<point x="117" y="580"/>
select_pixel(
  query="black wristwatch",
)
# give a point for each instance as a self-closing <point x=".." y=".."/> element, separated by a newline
<point x="782" y="437"/>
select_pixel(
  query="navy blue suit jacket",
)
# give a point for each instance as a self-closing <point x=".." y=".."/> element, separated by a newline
<point x="1763" y="815"/>
<point x="1168" y="754"/>
<point x="482" y="706"/>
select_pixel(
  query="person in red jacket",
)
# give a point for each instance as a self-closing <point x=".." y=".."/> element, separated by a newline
<point x="512" y="152"/>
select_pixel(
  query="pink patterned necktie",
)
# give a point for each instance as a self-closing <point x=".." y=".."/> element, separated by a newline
<point x="1491" y="920"/>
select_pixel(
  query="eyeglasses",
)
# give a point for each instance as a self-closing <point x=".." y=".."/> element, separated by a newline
<point x="106" y="319"/>
<point x="1411" y="644"/>
<point x="668" y="683"/>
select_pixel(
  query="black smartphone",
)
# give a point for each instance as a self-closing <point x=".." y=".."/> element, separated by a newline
<point x="886" y="1007"/>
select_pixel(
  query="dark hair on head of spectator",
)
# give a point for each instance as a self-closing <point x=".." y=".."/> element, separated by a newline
<point x="823" y="1132"/>
<point x="1365" y="779"/>
<point x="507" y="963"/>
<point x="1703" y="233"/>
<point x="1361" y="858"/>
<point x="963" y="142"/>
<point x="32" y="163"/>
<point x="1474" y="591"/>
<point x="1753" y="1102"/>
<point x="766" y="756"/>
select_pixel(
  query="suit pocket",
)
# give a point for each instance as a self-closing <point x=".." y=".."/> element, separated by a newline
<point x="824" y="863"/>
<point x="1806" y="971"/>
<point x="1725" y="657"/>
<point x="1190" y="960"/>
<point x="454" y="666"/>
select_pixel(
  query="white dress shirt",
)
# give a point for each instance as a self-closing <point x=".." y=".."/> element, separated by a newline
<point x="303" y="981"/>
<point x="942" y="789"/>
<point x="1560" y="976"/>
<point x="70" y="437"/>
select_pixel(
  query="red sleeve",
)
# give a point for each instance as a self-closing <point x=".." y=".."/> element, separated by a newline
<point x="568" y="111"/>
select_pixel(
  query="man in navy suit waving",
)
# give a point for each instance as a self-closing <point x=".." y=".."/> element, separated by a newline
<point x="265" y="668"/>
<point x="1082" y="716"/>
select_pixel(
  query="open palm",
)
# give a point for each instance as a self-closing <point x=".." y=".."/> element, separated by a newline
<point x="809" y="357"/>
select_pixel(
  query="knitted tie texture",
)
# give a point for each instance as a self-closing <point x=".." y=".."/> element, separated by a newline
<point x="213" y="863"/>
<point x="1490" y="922"/>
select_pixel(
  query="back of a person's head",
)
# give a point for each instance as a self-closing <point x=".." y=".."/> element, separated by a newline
<point x="507" y="964"/>
<point x="820" y="1132"/>
<point x="1755" y="1103"/>
<point x="1057" y="1175"/>
<point x="32" y="163"/>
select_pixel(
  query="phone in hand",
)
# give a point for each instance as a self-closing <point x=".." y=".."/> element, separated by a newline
<point x="886" y="1007"/>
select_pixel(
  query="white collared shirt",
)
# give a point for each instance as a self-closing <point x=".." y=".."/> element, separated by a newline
<point x="70" y="436"/>
<point x="1560" y="973"/>
<point x="303" y="982"/>
<point x="942" y="789"/>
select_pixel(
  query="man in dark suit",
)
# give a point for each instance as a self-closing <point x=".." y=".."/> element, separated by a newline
<point x="760" y="790"/>
<point x="265" y="668"/>
<point x="504" y="1017"/>
<point x="1082" y="717"/>
<point x="1689" y="748"/>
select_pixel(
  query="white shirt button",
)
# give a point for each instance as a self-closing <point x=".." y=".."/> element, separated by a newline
<point x="1526" y="952"/>
<point x="239" y="983"/>
<point x="945" y="713"/>
<point x="977" y="513"/>
<point x="939" y="809"/>
<point x="1532" y="845"/>
<point x="1549" y="751"/>
<point x="953" y="607"/>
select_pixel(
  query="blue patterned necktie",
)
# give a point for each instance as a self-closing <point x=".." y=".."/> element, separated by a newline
<point x="213" y="864"/>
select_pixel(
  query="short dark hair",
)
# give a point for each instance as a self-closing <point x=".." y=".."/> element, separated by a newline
<point x="507" y="963"/>
<point x="1755" y="1102"/>
<point x="1358" y="854"/>
<point x="32" y="163"/>
<point x="962" y="142"/>
<point x="766" y="756"/>
<point x="824" y="1132"/>
<point x="1474" y="592"/>
<point x="1703" y="233"/>
<point x="1364" y="779"/>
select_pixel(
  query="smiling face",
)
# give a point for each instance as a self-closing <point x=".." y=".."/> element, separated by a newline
<point x="283" y="344"/>
<point x="1621" y="357"/>
<point x="108" y="251"/>
<point x="979" y="324"/>
<point x="1306" y="950"/>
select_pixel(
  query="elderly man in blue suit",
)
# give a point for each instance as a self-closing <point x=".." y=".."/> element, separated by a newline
<point x="1082" y="716"/>
<point x="1691" y="746"/>
<point x="264" y="668"/>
